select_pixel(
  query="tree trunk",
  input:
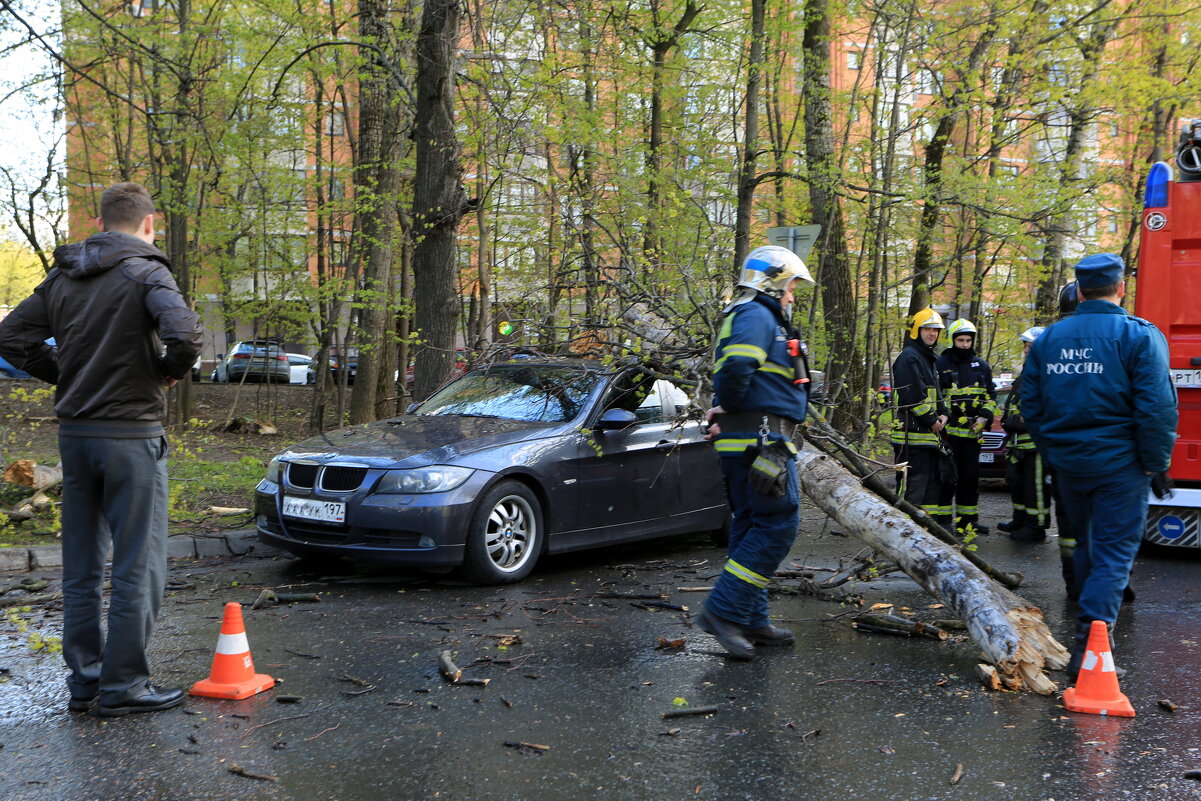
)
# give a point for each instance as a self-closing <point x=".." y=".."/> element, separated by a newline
<point x="1009" y="630"/>
<point x="437" y="197"/>
<point x="750" y="145"/>
<point x="377" y="180"/>
<point x="845" y="364"/>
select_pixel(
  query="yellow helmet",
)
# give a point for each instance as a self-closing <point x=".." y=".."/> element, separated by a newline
<point x="926" y="318"/>
<point x="770" y="269"/>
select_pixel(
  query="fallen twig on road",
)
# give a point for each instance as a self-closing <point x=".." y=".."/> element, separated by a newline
<point x="687" y="712"/>
<point x="273" y="722"/>
<point x="238" y="770"/>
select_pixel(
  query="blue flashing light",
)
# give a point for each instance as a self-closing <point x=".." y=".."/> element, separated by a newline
<point x="1156" y="195"/>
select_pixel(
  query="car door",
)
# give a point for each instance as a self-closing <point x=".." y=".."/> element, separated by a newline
<point x="629" y="477"/>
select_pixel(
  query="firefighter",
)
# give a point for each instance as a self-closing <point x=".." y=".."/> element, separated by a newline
<point x="966" y="383"/>
<point x="1026" y="470"/>
<point x="761" y="391"/>
<point x="920" y="414"/>
<point x="1098" y="399"/>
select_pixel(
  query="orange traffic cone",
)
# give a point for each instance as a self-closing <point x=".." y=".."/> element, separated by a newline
<point x="233" y="675"/>
<point x="1096" y="691"/>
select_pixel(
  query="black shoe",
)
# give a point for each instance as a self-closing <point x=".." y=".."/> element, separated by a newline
<point x="81" y="704"/>
<point x="153" y="700"/>
<point x="729" y="634"/>
<point x="770" y="635"/>
<point x="1128" y="594"/>
<point x="1008" y="526"/>
<point x="980" y="528"/>
<point x="1028" y="534"/>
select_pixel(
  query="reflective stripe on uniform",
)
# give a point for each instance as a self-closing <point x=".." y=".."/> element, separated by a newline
<point x="900" y="437"/>
<point x="772" y="367"/>
<point x="749" y="351"/>
<point x="733" y="444"/>
<point x="747" y="575"/>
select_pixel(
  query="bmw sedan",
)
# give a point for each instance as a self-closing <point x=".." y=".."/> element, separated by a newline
<point x="506" y="463"/>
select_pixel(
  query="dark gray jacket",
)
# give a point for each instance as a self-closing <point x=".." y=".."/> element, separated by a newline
<point x="120" y="325"/>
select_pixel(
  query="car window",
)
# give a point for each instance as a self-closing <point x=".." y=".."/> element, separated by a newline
<point x="533" y="393"/>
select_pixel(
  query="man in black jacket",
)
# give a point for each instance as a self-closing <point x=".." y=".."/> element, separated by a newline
<point x="123" y="334"/>
<point x="966" y="382"/>
<point x="921" y="414"/>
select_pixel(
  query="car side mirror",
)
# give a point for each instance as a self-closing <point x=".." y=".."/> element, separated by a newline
<point x="615" y="419"/>
<point x="220" y="356"/>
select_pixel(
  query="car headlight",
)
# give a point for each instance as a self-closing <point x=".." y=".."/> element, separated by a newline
<point x="438" y="478"/>
<point x="273" y="470"/>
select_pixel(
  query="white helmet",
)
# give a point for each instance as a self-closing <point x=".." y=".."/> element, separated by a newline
<point x="770" y="269"/>
<point x="1031" y="334"/>
<point x="961" y="326"/>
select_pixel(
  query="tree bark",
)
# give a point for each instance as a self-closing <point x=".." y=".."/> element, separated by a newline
<point x="845" y="364"/>
<point x="377" y="179"/>
<point x="437" y="197"/>
<point x="1009" y="630"/>
<point x="750" y="145"/>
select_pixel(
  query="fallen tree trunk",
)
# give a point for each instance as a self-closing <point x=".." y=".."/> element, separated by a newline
<point x="1009" y="630"/>
<point x="28" y="473"/>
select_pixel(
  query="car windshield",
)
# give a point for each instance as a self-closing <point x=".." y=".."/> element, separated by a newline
<point x="532" y="393"/>
<point x="257" y="347"/>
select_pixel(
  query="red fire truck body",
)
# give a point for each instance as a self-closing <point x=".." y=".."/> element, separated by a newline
<point x="1169" y="295"/>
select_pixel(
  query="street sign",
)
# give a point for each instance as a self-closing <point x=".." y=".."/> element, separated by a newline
<point x="797" y="238"/>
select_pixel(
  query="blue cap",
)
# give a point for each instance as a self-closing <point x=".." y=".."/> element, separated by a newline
<point x="1100" y="269"/>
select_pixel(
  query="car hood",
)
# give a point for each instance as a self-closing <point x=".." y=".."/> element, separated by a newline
<point x="417" y="440"/>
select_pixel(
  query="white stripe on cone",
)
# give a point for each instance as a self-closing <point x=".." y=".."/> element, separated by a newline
<point x="233" y="644"/>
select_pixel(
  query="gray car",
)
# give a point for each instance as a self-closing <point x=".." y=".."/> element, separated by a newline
<point x="254" y="360"/>
<point x="504" y="464"/>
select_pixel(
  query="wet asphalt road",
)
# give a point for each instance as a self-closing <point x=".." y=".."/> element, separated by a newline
<point x="842" y="715"/>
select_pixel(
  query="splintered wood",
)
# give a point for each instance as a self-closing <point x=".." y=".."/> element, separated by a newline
<point x="1009" y="630"/>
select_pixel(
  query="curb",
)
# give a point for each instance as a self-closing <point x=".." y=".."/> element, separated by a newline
<point x="179" y="546"/>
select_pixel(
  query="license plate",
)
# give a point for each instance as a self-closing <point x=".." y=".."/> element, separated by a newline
<point x="987" y="457"/>
<point x="322" y="511"/>
<point x="1186" y="378"/>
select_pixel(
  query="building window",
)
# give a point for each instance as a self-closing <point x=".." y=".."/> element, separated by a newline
<point x="1113" y="225"/>
<point x="335" y="123"/>
<point x="853" y="59"/>
<point x="1114" y="130"/>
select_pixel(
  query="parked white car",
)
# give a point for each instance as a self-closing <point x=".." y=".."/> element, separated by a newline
<point x="298" y="368"/>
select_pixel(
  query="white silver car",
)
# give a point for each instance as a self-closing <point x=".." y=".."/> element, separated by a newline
<point x="298" y="368"/>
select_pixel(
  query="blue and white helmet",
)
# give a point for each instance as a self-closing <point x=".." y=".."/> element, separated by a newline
<point x="770" y="269"/>
<point x="1031" y="334"/>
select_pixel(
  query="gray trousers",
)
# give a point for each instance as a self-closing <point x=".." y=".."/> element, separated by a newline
<point x="113" y="490"/>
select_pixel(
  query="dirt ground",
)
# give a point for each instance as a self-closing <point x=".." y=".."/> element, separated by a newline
<point x="207" y="467"/>
<point x="27" y="428"/>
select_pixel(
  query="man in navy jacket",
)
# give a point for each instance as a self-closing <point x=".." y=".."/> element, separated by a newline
<point x="1098" y="400"/>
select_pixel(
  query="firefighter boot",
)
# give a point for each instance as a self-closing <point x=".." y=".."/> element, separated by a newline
<point x="968" y="523"/>
<point x="1068" y="564"/>
<point x="770" y="635"/>
<point x="1029" y="533"/>
<point x="730" y="635"/>
<point x="1009" y="526"/>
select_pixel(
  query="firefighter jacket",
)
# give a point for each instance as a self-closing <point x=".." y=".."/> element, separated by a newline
<point x="1020" y="441"/>
<point x="917" y="396"/>
<point x="752" y="369"/>
<point x="966" y="382"/>
<point x="1097" y="394"/>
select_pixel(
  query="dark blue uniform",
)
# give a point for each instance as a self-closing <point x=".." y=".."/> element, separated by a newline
<point x="1098" y="400"/>
<point x="966" y="383"/>
<point x="919" y="403"/>
<point x="752" y="376"/>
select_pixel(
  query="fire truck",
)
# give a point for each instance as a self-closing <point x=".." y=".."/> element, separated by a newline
<point x="1169" y="295"/>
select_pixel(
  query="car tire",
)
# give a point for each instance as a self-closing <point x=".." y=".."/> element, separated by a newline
<point x="505" y="536"/>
